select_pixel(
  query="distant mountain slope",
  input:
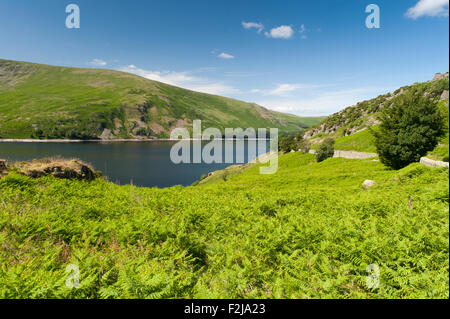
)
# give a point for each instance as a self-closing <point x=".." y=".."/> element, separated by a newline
<point x="349" y="126"/>
<point x="42" y="101"/>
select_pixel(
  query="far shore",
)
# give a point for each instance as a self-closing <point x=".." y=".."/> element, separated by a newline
<point x="12" y="140"/>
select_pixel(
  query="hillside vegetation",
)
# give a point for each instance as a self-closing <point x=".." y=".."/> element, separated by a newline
<point x="351" y="126"/>
<point x="42" y="101"/>
<point x="308" y="231"/>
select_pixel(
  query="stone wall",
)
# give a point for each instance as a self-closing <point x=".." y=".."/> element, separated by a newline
<point x="350" y="154"/>
<point x="432" y="163"/>
<point x="353" y="154"/>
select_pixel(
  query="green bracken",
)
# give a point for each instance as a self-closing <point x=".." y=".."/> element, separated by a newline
<point x="308" y="231"/>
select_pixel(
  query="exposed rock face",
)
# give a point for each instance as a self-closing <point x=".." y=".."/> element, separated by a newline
<point x="432" y="163"/>
<point x="444" y="95"/>
<point x="106" y="135"/>
<point x="368" y="183"/>
<point x="439" y="76"/>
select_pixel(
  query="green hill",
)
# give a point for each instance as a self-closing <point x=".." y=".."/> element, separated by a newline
<point x="42" y="101"/>
<point x="349" y="127"/>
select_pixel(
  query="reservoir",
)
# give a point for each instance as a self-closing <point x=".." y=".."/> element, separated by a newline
<point x="142" y="163"/>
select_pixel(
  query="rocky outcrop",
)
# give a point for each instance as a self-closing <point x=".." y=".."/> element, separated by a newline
<point x="363" y="114"/>
<point x="59" y="168"/>
<point x="432" y="163"/>
<point x="439" y="76"/>
<point x="106" y="135"/>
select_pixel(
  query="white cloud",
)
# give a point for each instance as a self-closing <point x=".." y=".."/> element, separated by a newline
<point x="97" y="62"/>
<point x="431" y="8"/>
<point x="250" y="25"/>
<point x="281" y="32"/>
<point x="225" y="56"/>
<point x="322" y="102"/>
<point x="184" y="80"/>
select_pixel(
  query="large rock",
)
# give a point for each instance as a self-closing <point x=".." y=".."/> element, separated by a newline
<point x="368" y="183"/>
<point x="444" y="95"/>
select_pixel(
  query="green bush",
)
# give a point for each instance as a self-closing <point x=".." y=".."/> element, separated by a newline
<point x="325" y="150"/>
<point x="409" y="130"/>
<point x="287" y="144"/>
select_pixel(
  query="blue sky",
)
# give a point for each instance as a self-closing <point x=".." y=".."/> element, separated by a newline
<point x="301" y="57"/>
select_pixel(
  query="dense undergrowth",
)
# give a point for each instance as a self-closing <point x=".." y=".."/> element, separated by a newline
<point x="308" y="231"/>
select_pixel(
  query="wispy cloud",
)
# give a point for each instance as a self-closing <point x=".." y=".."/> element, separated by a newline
<point x="322" y="102"/>
<point x="183" y="79"/>
<point x="250" y="25"/>
<point x="97" y="62"/>
<point x="286" y="89"/>
<point x="281" y="32"/>
<point x="245" y="74"/>
<point x="431" y="8"/>
<point x="225" y="56"/>
<point x="168" y="77"/>
<point x="302" y="31"/>
<point x="283" y="89"/>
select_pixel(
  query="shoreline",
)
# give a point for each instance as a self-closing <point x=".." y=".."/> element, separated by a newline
<point x="12" y="140"/>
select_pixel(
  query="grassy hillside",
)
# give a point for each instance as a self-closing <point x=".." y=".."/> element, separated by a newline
<point x="41" y="101"/>
<point x="349" y="127"/>
<point x="308" y="231"/>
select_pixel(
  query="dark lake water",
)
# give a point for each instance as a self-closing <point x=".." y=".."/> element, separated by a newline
<point x="144" y="163"/>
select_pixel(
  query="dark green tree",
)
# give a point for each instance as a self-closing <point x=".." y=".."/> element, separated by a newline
<point x="409" y="129"/>
<point x="301" y="143"/>
<point x="325" y="150"/>
<point x="286" y="144"/>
